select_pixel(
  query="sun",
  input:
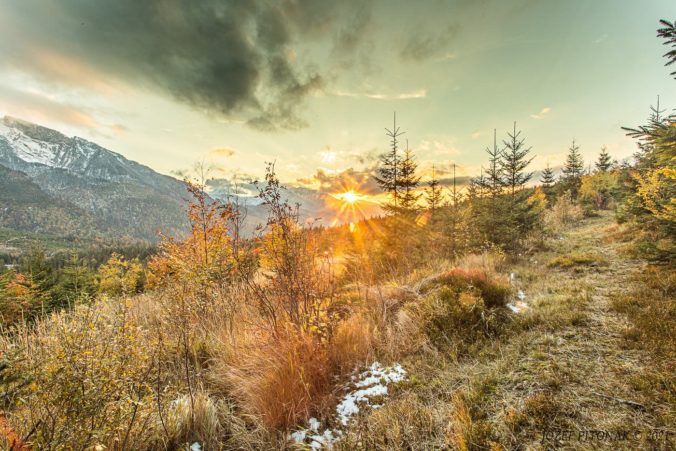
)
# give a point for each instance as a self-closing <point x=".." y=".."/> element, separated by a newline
<point x="350" y="197"/>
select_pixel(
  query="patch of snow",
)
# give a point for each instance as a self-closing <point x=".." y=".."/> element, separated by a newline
<point x="314" y="424"/>
<point x="196" y="447"/>
<point x="517" y="307"/>
<point x="365" y="386"/>
<point x="3" y="128"/>
<point x="32" y="151"/>
<point x="299" y="436"/>
<point x="521" y="295"/>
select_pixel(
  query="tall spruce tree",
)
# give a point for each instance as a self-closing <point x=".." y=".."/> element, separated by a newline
<point x="408" y="181"/>
<point x="604" y="162"/>
<point x="573" y="169"/>
<point x="514" y="162"/>
<point x="389" y="169"/>
<point x="473" y="189"/>
<point x="668" y="33"/>
<point x="453" y="229"/>
<point x="493" y="180"/>
<point x="433" y="192"/>
<point x="547" y="179"/>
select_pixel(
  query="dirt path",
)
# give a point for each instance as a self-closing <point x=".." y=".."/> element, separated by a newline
<point x="577" y="374"/>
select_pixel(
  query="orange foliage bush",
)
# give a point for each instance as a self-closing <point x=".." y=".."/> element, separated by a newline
<point x="284" y="381"/>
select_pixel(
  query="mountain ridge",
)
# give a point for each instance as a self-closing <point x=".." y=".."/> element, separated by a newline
<point x="123" y="198"/>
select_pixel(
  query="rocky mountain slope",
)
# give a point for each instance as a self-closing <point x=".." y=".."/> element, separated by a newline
<point x="79" y="187"/>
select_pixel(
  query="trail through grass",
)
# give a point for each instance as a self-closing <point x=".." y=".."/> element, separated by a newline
<point x="563" y="370"/>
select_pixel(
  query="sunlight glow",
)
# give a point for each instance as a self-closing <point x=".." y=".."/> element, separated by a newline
<point x="350" y="197"/>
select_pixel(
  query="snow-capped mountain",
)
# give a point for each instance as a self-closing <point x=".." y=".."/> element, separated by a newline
<point x="123" y="197"/>
<point x="29" y="148"/>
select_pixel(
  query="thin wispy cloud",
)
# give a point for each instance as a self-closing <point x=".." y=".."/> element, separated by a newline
<point x="542" y="113"/>
<point x="419" y="94"/>
<point x="446" y="57"/>
<point x="222" y="152"/>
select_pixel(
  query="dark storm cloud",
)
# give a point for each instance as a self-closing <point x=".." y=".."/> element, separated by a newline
<point x="230" y="57"/>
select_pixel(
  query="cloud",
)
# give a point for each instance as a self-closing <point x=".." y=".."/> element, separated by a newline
<point x="231" y="58"/>
<point x="328" y="156"/>
<point x="542" y="113"/>
<point x="438" y="146"/>
<point x="325" y="181"/>
<point x="36" y="107"/>
<point x="222" y="152"/>
<point x="419" y="94"/>
<point x="420" y="45"/>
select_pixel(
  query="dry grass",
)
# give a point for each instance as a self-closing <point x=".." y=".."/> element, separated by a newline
<point x="352" y="343"/>
<point x="490" y="263"/>
<point x="406" y="423"/>
<point x="493" y="291"/>
<point x="163" y="370"/>
<point x="563" y="363"/>
<point x="649" y="305"/>
<point x="576" y="260"/>
<point x="284" y="381"/>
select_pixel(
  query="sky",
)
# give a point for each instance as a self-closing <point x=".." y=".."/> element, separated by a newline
<point x="312" y="84"/>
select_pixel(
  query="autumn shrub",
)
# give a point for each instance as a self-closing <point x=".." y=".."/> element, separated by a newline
<point x="19" y="298"/>
<point x="597" y="190"/>
<point x="494" y="293"/>
<point x="282" y="381"/>
<point x="119" y="277"/>
<point x="455" y="319"/>
<point x="91" y="378"/>
<point x="562" y="214"/>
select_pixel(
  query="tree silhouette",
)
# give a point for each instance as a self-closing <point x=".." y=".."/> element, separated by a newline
<point x="433" y="192"/>
<point x="493" y="179"/>
<point x="408" y="181"/>
<point x="573" y="169"/>
<point x="668" y="33"/>
<point x="388" y="171"/>
<point x="604" y="162"/>
<point x="547" y="179"/>
<point x="514" y="162"/>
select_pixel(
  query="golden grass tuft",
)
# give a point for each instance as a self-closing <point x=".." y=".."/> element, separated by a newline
<point x="352" y="343"/>
<point x="405" y="423"/>
<point x="193" y="419"/>
<point x="283" y="381"/>
<point x="577" y="260"/>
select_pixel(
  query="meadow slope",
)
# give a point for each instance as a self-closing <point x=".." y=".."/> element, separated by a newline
<point x="571" y="361"/>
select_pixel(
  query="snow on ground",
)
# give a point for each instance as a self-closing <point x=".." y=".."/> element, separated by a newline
<point x="366" y="390"/>
<point x="517" y="306"/>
